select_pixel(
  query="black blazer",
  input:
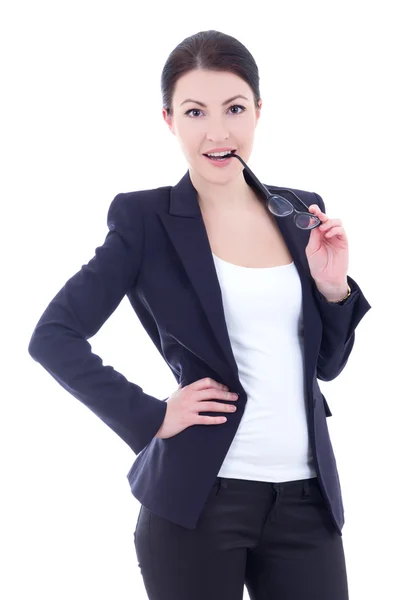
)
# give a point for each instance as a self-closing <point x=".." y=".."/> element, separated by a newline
<point x="157" y="252"/>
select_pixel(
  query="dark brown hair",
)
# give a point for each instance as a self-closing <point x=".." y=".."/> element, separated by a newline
<point x="213" y="51"/>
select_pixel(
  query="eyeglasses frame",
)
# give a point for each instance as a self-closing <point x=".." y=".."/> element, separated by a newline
<point x="263" y="189"/>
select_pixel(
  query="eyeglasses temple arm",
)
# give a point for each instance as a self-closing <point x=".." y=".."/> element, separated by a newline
<point x="261" y="187"/>
<point x="300" y="200"/>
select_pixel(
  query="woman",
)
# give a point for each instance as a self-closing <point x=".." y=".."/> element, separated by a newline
<point x="243" y="288"/>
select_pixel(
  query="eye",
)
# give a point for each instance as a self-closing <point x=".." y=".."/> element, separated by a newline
<point x="191" y="110"/>
<point x="237" y="106"/>
<point x="187" y="113"/>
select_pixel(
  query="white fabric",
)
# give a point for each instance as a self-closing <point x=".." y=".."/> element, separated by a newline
<point x="263" y="313"/>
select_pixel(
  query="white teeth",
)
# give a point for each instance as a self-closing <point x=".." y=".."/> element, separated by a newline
<point x="220" y="153"/>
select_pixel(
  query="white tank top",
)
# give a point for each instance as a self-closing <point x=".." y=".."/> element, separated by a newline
<point x="263" y="313"/>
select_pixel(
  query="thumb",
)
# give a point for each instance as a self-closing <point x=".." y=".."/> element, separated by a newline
<point x="314" y="242"/>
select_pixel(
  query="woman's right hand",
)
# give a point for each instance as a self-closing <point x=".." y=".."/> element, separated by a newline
<point x="184" y="405"/>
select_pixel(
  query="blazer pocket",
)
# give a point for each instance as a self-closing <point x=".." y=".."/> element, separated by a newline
<point x="326" y="406"/>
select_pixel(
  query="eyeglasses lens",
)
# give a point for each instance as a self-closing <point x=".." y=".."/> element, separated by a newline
<point x="279" y="206"/>
<point x="304" y="221"/>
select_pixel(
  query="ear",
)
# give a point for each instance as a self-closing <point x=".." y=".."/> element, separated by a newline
<point x="258" y="111"/>
<point x="169" y="120"/>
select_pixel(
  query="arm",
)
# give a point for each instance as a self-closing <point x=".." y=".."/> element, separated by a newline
<point x="339" y="322"/>
<point x="59" y="340"/>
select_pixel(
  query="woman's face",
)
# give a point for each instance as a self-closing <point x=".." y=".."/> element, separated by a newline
<point x="203" y="128"/>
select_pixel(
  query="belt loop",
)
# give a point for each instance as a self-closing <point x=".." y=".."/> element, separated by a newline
<point x="277" y="488"/>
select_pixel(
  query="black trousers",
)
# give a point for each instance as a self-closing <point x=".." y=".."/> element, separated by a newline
<point x="277" y="539"/>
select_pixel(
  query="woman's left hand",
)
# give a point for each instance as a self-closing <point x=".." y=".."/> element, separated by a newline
<point x="327" y="251"/>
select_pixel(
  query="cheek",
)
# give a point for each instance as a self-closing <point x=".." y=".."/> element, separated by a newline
<point x="187" y="135"/>
<point x="245" y="127"/>
<point x="184" y="142"/>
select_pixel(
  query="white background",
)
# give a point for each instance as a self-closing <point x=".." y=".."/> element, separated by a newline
<point x="80" y="122"/>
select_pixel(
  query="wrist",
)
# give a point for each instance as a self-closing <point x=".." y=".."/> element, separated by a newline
<point x="334" y="293"/>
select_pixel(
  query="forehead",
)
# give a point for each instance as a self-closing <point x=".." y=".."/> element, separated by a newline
<point x="209" y="86"/>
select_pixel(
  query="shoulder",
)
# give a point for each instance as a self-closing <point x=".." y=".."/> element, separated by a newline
<point x="131" y="206"/>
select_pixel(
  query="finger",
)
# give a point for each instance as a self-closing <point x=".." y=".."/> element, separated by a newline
<point x="205" y="420"/>
<point x="329" y="224"/>
<point x="208" y="382"/>
<point x="338" y="231"/>
<point x="315" y="210"/>
<point x="209" y="394"/>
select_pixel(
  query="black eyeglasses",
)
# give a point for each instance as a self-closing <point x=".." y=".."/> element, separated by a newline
<point x="280" y="206"/>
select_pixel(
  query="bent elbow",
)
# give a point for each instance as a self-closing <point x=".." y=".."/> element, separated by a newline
<point x="329" y="373"/>
<point x="33" y="346"/>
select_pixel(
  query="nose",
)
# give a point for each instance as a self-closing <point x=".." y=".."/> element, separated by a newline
<point x="217" y="131"/>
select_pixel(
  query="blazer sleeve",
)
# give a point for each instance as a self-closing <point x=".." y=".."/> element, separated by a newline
<point x="59" y="340"/>
<point x="339" y="322"/>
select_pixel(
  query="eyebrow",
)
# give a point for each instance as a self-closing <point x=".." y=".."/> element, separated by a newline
<point x="223" y="104"/>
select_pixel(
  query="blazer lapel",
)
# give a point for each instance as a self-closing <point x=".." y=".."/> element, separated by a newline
<point x="185" y="226"/>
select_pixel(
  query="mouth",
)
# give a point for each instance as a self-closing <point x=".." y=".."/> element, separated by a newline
<point x="220" y="159"/>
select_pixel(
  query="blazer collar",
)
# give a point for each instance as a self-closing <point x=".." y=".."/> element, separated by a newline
<point x="185" y="226"/>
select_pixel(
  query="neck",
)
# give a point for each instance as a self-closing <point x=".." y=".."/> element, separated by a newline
<point x="233" y="195"/>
